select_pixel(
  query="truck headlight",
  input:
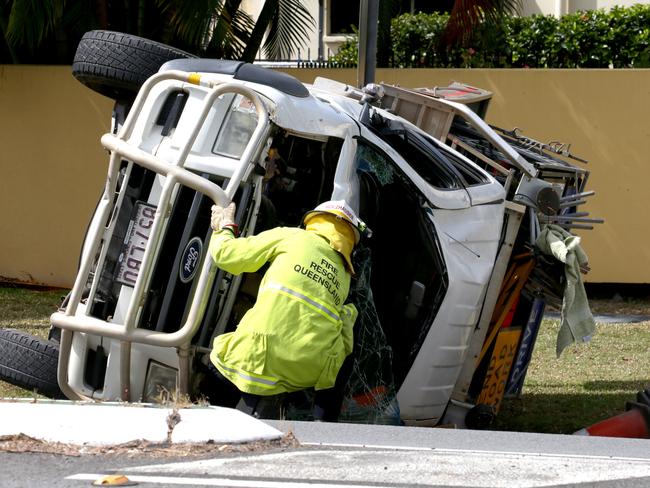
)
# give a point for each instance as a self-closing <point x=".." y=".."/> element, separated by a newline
<point x="160" y="383"/>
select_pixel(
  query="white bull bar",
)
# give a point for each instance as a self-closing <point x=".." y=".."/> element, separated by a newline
<point x="127" y="332"/>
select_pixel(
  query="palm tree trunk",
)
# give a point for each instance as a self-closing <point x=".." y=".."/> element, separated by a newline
<point x="257" y="36"/>
<point x="228" y="11"/>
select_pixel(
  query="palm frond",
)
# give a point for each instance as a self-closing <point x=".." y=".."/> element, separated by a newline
<point x="466" y="15"/>
<point x="229" y="38"/>
<point x="30" y="21"/>
<point x="192" y="20"/>
<point x="289" y="29"/>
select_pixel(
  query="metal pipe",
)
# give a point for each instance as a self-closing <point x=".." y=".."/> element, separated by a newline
<point x="122" y="332"/>
<point x="184" y="369"/>
<point x="576" y="226"/>
<point x="103" y="210"/>
<point x="65" y="345"/>
<point x="125" y="371"/>
<point x="154" y="163"/>
<point x="191" y="180"/>
<point x="480" y="155"/>
<point x="68" y="321"/>
<point x="486" y="131"/>
<point x="561" y="218"/>
<point x="321" y="20"/>
<point x="577" y="196"/>
<point x="368" y="19"/>
<point x="572" y="203"/>
<point x="143" y="93"/>
<point x="574" y="214"/>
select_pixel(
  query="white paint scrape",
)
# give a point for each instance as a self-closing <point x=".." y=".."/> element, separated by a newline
<point x="102" y="424"/>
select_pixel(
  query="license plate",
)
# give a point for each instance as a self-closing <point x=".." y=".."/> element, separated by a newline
<point x="135" y="242"/>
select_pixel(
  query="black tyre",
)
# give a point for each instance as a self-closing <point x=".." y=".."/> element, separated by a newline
<point x="29" y="362"/>
<point x="116" y="64"/>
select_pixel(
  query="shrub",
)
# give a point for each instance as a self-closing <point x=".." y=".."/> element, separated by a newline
<point x="619" y="38"/>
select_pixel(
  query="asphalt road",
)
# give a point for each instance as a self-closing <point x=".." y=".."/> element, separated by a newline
<point x="345" y="455"/>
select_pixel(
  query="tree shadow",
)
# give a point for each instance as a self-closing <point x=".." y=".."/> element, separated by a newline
<point x="563" y="413"/>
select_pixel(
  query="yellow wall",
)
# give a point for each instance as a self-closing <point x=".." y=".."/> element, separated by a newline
<point x="53" y="165"/>
<point x="52" y="168"/>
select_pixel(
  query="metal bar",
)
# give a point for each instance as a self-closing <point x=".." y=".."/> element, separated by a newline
<point x="184" y="369"/>
<point x="125" y="371"/>
<point x="574" y="214"/>
<point x="368" y="18"/>
<point x="534" y="225"/>
<point x="484" y="129"/>
<point x="154" y="163"/>
<point x="572" y="203"/>
<point x="103" y="210"/>
<point x="576" y="226"/>
<point x="562" y="218"/>
<point x="175" y="174"/>
<point x="143" y="93"/>
<point x="65" y="346"/>
<point x="577" y="196"/>
<point x="479" y="155"/>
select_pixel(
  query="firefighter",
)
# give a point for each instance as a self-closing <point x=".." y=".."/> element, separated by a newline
<point x="299" y="332"/>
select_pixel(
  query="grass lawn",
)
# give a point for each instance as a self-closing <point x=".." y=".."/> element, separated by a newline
<point x="588" y="383"/>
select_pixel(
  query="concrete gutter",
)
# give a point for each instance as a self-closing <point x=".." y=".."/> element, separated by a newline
<point x="102" y="424"/>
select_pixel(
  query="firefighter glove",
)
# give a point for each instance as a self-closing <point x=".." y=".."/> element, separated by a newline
<point x="224" y="218"/>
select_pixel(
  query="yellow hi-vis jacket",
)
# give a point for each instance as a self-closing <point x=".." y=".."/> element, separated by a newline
<point x="299" y="331"/>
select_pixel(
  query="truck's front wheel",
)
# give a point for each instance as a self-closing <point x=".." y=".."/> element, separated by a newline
<point x="116" y="64"/>
<point x="29" y="362"/>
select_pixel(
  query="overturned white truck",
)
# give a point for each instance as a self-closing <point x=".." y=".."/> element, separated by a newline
<point x="451" y="287"/>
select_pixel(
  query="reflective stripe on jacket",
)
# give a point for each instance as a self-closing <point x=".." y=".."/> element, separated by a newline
<point x="299" y="331"/>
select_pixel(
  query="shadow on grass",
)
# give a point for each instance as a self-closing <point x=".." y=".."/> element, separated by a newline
<point x="563" y="413"/>
<point x="599" y="385"/>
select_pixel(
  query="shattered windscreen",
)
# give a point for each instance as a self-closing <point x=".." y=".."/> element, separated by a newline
<point x="370" y="396"/>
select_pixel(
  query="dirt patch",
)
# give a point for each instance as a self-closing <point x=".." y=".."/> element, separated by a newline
<point x="620" y="306"/>
<point x="21" y="443"/>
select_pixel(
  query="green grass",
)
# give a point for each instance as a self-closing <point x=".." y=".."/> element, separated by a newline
<point x="588" y="383"/>
<point x="21" y="308"/>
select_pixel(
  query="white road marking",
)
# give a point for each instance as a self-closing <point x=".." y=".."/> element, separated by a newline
<point x="225" y="482"/>
<point x="365" y="468"/>
<point x="444" y="450"/>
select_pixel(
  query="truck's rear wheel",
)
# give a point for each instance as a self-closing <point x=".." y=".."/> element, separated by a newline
<point x="29" y="362"/>
<point x="116" y="64"/>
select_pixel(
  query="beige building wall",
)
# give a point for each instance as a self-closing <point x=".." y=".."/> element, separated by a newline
<point x="53" y="165"/>
<point x="52" y="170"/>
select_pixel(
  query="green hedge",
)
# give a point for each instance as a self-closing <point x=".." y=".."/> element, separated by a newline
<point x="619" y="38"/>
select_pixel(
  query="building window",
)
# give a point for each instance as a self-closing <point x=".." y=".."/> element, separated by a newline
<point x="344" y="16"/>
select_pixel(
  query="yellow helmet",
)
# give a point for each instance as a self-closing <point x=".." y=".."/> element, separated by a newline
<point x="341" y="210"/>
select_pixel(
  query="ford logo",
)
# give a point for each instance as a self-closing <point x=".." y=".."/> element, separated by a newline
<point x="190" y="260"/>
